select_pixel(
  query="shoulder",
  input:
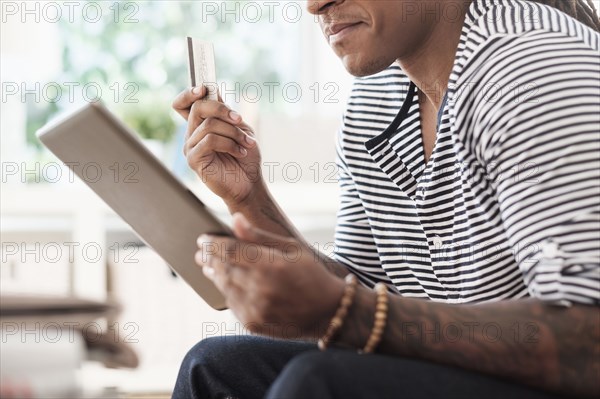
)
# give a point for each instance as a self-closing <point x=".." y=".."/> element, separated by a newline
<point x="513" y="71"/>
<point x="518" y="18"/>
<point x="518" y="30"/>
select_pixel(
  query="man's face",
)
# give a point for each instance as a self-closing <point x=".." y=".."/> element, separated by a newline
<point x="369" y="35"/>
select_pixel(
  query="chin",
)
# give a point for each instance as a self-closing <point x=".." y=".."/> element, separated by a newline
<point x="360" y="66"/>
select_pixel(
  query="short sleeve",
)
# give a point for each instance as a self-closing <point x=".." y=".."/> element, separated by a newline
<point x="541" y="147"/>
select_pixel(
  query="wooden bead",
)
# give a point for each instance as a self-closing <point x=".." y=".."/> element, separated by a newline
<point x="380" y="319"/>
<point x="342" y="311"/>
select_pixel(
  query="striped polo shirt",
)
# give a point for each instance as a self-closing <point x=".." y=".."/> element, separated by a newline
<point x="508" y="205"/>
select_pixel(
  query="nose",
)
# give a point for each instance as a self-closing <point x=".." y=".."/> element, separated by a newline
<point x="318" y="7"/>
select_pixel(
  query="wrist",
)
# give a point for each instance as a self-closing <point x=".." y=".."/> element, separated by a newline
<point x="335" y="308"/>
<point x="250" y="202"/>
<point x="359" y="321"/>
<point x="261" y="210"/>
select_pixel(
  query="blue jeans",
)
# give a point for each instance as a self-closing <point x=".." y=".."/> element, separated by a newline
<point x="252" y="367"/>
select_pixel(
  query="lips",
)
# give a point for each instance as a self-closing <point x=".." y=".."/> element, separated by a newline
<point x="336" y="31"/>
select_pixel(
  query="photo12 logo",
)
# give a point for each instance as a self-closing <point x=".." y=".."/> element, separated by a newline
<point x="53" y="92"/>
<point x="68" y="252"/>
<point x="70" y="11"/>
<point x="55" y="172"/>
<point x="68" y="331"/>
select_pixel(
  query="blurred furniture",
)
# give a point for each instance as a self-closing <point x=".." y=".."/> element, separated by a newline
<point x="45" y="340"/>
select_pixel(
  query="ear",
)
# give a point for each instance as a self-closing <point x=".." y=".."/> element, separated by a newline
<point x="245" y="231"/>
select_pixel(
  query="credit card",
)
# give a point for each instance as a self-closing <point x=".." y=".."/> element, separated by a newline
<point x="203" y="69"/>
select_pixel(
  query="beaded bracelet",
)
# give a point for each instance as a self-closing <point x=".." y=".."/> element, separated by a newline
<point x="381" y="309"/>
<point x="342" y="311"/>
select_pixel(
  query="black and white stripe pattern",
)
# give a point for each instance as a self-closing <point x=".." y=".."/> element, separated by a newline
<point x="509" y="203"/>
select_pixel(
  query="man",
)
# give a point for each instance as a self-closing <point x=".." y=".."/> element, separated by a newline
<point x="470" y="180"/>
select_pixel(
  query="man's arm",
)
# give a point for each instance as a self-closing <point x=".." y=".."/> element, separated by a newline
<point x="527" y="341"/>
<point x="234" y="175"/>
<point x="262" y="211"/>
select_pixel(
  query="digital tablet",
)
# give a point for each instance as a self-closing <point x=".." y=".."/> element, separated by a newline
<point x="114" y="162"/>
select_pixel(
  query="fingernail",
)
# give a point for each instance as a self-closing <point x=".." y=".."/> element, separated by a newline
<point x="208" y="271"/>
<point x="235" y="116"/>
<point x="198" y="257"/>
<point x="243" y="151"/>
<point x="197" y="90"/>
<point x="244" y="221"/>
<point x="240" y="218"/>
<point x="250" y="140"/>
<point x="203" y="239"/>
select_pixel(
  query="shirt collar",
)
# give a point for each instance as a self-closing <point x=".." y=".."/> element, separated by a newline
<point x="479" y="8"/>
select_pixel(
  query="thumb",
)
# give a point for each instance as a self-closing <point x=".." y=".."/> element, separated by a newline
<point x="245" y="231"/>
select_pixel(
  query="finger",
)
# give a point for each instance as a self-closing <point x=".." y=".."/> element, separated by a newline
<point x="201" y="110"/>
<point x="227" y="277"/>
<point x="223" y="248"/>
<point x="219" y="279"/>
<point x="222" y="273"/>
<point x="249" y="233"/>
<point x="247" y="129"/>
<point x="184" y="100"/>
<point x="213" y="143"/>
<point x="237" y="254"/>
<point x="217" y="126"/>
<point x="213" y="269"/>
<point x="236" y="300"/>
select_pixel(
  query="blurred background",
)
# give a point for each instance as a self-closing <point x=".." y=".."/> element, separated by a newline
<point x="60" y="240"/>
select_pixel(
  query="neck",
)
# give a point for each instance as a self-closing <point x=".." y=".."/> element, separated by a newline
<point x="430" y="65"/>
